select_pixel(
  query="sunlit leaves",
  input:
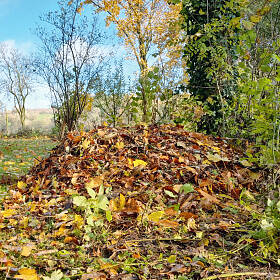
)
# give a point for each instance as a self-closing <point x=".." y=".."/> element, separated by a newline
<point x="119" y="145"/>
<point x="139" y="162"/>
<point x="80" y="201"/>
<point x="171" y="259"/>
<point x="56" y="275"/>
<point x="8" y="213"/>
<point x="27" y="274"/>
<point x="26" y="250"/>
<point x="155" y="216"/>
<point x="146" y="202"/>
<point x="21" y="185"/>
<point x="86" y="144"/>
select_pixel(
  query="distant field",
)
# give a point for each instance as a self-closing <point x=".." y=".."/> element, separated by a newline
<point x="36" y="119"/>
<point x="18" y="155"/>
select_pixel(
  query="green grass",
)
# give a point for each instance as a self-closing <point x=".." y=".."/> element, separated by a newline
<point x="18" y="155"/>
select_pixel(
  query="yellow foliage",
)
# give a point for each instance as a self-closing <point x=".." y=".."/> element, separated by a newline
<point x="8" y="213"/>
<point x="27" y="274"/>
<point x="139" y="162"/>
<point x="141" y="23"/>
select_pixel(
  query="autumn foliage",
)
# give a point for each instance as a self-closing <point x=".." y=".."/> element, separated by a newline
<point x="116" y="200"/>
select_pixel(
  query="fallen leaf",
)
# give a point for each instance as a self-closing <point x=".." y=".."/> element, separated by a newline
<point x="8" y="213"/>
<point x="119" y="145"/>
<point x="139" y="162"/>
<point x="216" y="157"/>
<point x="56" y="275"/>
<point x="168" y="223"/>
<point x="155" y="216"/>
<point x="26" y="250"/>
<point x="172" y="259"/>
<point x="27" y="274"/>
<point x="208" y="196"/>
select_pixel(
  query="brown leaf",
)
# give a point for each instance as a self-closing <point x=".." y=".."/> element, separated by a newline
<point x="208" y="196"/>
<point x="94" y="276"/>
<point x="188" y="215"/>
<point x="168" y="223"/>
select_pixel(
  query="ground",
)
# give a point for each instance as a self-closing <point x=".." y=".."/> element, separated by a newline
<point x="138" y="203"/>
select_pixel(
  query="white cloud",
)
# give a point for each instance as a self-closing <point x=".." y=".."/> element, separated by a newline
<point x="24" y="47"/>
<point x="39" y="98"/>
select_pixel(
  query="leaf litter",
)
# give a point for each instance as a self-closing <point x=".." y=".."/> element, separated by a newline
<point x="153" y="202"/>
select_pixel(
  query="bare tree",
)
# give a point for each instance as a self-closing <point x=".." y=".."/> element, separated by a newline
<point x="16" y="78"/>
<point x="112" y="94"/>
<point x="70" y="58"/>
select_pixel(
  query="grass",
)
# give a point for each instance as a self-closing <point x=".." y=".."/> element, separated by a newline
<point x="18" y="155"/>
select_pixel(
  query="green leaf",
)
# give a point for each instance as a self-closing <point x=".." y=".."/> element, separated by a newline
<point x="169" y="193"/>
<point x="103" y="203"/>
<point x="56" y="275"/>
<point x="101" y="190"/>
<point x="80" y="201"/>
<point x="201" y="12"/>
<point x="90" y="219"/>
<point x="171" y="259"/>
<point x="109" y="216"/>
<point x="187" y="188"/>
<point x="91" y="192"/>
<point x="278" y="205"/>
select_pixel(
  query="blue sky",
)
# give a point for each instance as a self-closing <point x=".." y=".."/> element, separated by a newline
<point x="18" y="20"/>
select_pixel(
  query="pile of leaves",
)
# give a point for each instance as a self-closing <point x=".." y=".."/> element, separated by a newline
<point x="153" y="202"/>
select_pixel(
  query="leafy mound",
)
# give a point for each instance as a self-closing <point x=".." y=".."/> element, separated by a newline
<point x="138" y="203"/>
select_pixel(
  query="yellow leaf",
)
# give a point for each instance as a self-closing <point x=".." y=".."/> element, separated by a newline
<point x="9" y="162"/>
<point x="155" y="216"/>
<point x="42" y="236"/>
<point x="139" y="162"/>
<point x="13" y="222"/>
<point x="85" y="144"/>
<point x="8" y="213"/>
<point x="79" y="221"/>
<point x="79" y="10"/>
<point x="216" y="149"/>
<point x="26" y="250"/>
<point x="181" y="159"/>
<point x="21" y="185"/>
<point x="255" y="19"/>
<point x="171" y="259"/>
<point x="206" y="162"/>
<point x="27" y="274"/>
<point x="201" y="12"/>
<point x="61" y="231"/>
<point x="119" y="145"/>
<point x="122" y="201"/>
<point x="130" y="163"/>
<point x="95" y="182"/>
